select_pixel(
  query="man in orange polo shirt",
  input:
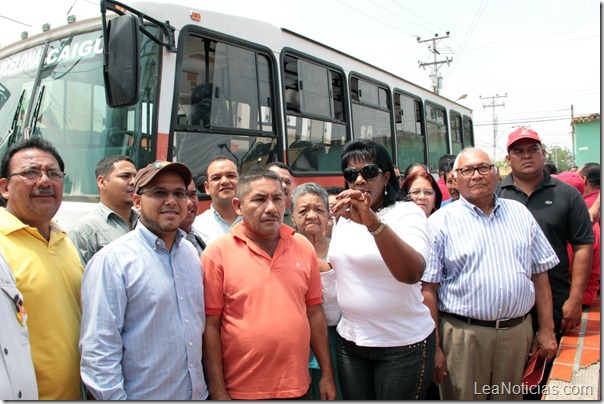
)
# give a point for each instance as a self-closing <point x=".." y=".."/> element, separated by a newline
<point x="263" y="302"/>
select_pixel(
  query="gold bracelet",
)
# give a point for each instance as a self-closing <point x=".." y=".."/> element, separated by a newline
<point x="379" y="229"/>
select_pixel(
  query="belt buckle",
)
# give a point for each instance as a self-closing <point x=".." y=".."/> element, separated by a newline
<point x="497" y="327"/>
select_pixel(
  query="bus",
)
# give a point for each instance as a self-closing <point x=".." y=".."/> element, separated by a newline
<point x="199" y="84"/>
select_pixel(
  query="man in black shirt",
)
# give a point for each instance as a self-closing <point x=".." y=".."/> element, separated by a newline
<point x="562" y="214"/>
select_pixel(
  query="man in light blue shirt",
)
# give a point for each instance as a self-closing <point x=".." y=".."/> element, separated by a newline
<point x="221" y="184"/>
<point x="143" y="312"/>
<point x="487" y="268"/>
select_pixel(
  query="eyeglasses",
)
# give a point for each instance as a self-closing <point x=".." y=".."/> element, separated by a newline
<point x="417" y="192"/>
<point x="35" y="175"/>
<point x="469" y="171"/>
<point x="158" y="193"/>
<point x="369" y="172"/>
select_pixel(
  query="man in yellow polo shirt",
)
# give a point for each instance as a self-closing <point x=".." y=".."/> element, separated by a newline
<point x="45" y="263"/>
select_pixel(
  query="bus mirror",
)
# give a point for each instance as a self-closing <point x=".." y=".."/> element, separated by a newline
<point x="122" y="61"/>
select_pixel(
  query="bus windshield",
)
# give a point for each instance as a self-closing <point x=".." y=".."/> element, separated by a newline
<point x="56" y="91"/>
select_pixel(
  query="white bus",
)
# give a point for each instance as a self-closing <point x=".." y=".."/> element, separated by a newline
<point x="199" y="84"/>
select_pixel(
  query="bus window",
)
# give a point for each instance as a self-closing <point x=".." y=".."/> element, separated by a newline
<point x="436" y="126"/>
<point x="468" y="132"/>
<point x="68" y="107"/>
<point x="316" y="129"/>
<point x="410" y="138"/>
<point x="17" y="78"/>
<point x="247" y="152"/>
<point x="370" y="112"/>
<point x="225" y="86"/>
<point x="224" y="89"/>
<point x="456" y="138"/>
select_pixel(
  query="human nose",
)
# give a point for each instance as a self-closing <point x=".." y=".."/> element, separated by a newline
<point x="271" y="206"/>
<point x="362" y="179"/>
<point x="171" y="198"/>
<point x="311" y="214"/>
<point x="43" y="175"/>
<point x="475" y="173"/>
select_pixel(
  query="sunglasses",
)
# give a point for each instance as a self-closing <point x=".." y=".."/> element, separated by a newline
<point x="369" y="172"/>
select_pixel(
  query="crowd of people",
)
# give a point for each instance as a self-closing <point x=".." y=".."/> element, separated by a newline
<point x="396" y="286"/>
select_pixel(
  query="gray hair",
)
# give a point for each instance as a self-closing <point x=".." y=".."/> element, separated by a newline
<point x="469" y="150"/>
<point x="309" y="188"/>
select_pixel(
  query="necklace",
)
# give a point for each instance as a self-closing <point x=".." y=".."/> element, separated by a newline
<point x="385" y="209"/>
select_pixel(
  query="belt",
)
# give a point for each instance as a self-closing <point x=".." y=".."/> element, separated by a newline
<point x="497" y="324"/>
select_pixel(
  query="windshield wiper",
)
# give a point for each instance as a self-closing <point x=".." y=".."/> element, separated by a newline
<point x="37" y="110"/>
<point x="11" y="133"/>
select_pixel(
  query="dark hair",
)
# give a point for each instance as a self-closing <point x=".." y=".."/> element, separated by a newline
<point x="368" y="150"/>
<point x="105" y="166"/>
<point x="35" y="142"/>
<point x="427" y="176"/>
<point x="255" y="175"/>
<point x="279" y="165"/>
<point x="217" y="158"/>
<point x="333" y="190"/>
<point x="591" y="172"/>
<point x="550" y="167"/>
<point x="412" y="166"/>
<point x="443" y="161"/>
<point x="448" y="168"/>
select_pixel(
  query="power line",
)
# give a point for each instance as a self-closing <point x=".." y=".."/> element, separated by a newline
<point x="525" y="121"/>
<point x="18" y="22"/>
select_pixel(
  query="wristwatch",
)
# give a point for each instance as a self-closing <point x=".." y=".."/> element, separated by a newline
<point x="380" y="227"/>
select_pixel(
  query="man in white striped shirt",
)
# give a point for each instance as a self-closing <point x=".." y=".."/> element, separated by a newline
<point x="488" y="267"/>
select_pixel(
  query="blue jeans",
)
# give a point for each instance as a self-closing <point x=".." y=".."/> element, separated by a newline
<point x="394" y="373"/>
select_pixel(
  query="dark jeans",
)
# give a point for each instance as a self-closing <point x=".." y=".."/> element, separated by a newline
<point x="396" y="373"/>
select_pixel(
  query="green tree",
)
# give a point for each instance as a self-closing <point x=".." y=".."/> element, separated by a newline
<point x="561" y="156"/>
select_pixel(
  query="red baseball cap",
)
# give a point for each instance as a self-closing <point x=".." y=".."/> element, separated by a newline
<point x="573" y="179"/>
<point x="522" y="133"/>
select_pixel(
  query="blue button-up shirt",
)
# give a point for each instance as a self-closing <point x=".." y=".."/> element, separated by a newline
<point x="142" y="321"/>
<point x="484" y="264"/>
<point x="210" y="225"/>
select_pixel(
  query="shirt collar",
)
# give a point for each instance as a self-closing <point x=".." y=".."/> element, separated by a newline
<point x="106" y="212"/>
<point x="11" y="223"/>
<point x="467" y="205"/>
<point x="219" y="218"/>
<point x="152" y="239"/>
<point x="238" y="231"/>
<point x="547" y="181"/>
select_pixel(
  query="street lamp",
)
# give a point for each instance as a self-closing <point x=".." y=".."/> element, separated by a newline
<point x="461" y="97"/>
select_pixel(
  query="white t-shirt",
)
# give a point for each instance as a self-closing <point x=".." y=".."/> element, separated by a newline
<point x="378" y="310"/>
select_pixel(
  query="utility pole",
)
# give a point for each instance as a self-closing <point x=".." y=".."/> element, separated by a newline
<point x="436" y="78"/>
<point x="493" y="104"/>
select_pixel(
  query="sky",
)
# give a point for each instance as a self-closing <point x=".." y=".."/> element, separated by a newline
<point x="521" y="62"/>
